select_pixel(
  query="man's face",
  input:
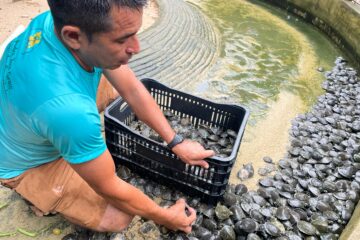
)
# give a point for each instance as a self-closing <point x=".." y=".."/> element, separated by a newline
<point x="110" y="50"/>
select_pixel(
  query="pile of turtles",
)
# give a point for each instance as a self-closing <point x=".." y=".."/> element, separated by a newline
<point x="311" y="195"/>
<point x="210" y="137"/>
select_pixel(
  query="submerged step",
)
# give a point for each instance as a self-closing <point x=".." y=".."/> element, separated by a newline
<point x="182" y="38"/>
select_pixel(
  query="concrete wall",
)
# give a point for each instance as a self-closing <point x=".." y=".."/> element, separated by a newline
<point x="339" y="19"/>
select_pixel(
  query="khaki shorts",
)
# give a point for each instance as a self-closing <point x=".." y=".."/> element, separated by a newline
<point x="56" y="187"/>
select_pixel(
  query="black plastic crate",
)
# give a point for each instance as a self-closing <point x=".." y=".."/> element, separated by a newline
<point x="154" y="160"/>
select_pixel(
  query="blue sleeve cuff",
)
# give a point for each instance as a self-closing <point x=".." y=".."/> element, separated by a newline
<point x="86" y="157"/>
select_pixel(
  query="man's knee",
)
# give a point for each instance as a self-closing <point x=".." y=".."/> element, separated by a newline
<point x="115" y="225"/>
<point x="114" y="220"/>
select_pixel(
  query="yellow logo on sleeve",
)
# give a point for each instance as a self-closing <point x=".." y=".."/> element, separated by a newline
<point x="34" y="39"/>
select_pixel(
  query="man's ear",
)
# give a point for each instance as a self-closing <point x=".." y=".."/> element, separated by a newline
<point x="72" y="36"/>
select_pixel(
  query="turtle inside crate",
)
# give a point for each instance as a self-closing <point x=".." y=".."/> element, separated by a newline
<point x="219" y="140"/>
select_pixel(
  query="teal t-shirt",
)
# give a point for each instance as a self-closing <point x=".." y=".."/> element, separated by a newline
<point x="47" y="103"/>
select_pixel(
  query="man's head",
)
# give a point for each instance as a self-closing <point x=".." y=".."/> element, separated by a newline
<point x="99" y="33"/>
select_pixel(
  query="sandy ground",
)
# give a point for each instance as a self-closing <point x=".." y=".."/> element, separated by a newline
<point x="14" y="212"/>
<point x="14" y="13"/>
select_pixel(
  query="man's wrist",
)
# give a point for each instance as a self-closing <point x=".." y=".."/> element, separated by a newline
<point x="161" y="215"/>
<point x="177" y="139"/>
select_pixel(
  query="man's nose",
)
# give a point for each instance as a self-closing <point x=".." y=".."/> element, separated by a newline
<point x="134" y="46"/>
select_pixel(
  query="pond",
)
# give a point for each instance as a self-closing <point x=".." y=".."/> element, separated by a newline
<point x="270" y="62"/>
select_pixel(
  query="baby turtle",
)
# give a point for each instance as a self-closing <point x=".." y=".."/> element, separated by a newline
<point x="157" y="191"/>
<point x="272" y="230"/>
<point x="320" y="69"/>
<point x="222" y="212"/>
<point x="243" y="174"/>
<point x="306" y="228"/>
<point x="329" y="236"/>
<point x="321" y="225"/>
<point x="237" y="213"/>
<point x="253" y="236"/>
<point x="323" y="206"/>
<point x="293" y="236"/>
<point x="296" y="203"/>
<point x="209" y="224"/>
<point x="268" y="159"/>
<point x="240" y="189"/>
<point x="168" y="113"/>
<point x="230" y="199"/>
<point x="331" y="215"/>
<point x="314" y="191"/>
<point x="329" y="186"/>
<point x="185" y="122"/>
<point x="278" y="224"/>
<point x="246" y="172"/>
<point x="202" y="233"/>
<point x="213" y="138"/>
<point x="246" y="225"/>
<point x="249" y="167"/>
<point x="203" y="133"/>
<point x="227" y="151"/>
<point x="347" y="171"/>
<point x="147" y="227"/>
<point x="283" y="213"/>
<point x="256" y="215"/>
<point x="246" y="207"/>
<point x="294" y="217"/>
<point x="263" y="171"/>
<point x="231" y="133"/>
<point x="266" y="182"/>
<point x="209" y="212"/>
<point x="341" y="196"/>
<point x="259" y="200"/>
<point x="224" y="142"/>
<point x="267" y="212"/>
<point x="227" y="233"/>
<point x="124" y="173"/>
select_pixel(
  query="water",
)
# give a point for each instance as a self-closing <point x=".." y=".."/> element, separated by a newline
<point x="268" y="61"/>
<point x="263" y="52"/>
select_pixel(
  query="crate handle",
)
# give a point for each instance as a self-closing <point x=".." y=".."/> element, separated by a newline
<point x="123" y="106"/>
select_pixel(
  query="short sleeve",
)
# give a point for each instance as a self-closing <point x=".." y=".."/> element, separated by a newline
<point x="71" y="123"/>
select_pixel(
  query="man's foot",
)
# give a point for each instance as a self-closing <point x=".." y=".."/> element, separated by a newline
<point x="40" y="213"/>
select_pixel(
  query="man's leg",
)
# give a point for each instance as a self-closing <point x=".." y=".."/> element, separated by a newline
<point x="81" y="205"/>
<point x="56" y="187"/>
<point x="105" y="94"/>
<point x="114" y="220"/>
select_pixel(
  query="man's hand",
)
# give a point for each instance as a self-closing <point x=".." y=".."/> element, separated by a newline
<point x="179" y="219"/>
<point x="193" y="153"/>
<point x="99" y="173"/>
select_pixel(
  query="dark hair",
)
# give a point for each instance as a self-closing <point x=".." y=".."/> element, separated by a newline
<point x="91" y="16"/>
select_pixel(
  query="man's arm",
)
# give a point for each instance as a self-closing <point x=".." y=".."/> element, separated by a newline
<point x="146" y="109"/>
<point x="141" y="102"/>
<point x="99" y="173"/>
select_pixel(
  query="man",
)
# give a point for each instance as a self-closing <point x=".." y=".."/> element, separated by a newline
<point x="51" y="148"/>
